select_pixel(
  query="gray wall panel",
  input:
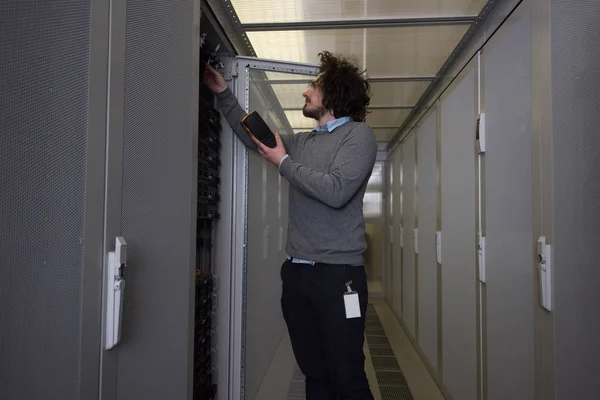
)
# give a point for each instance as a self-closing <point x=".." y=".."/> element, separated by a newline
<point x="458" y="244"/>
<point x="509" y="218"/>
<point x="408" y="260"/>
<point x="427" y="217"/>
<point x="397" y="248"/>
<point x="388" y="220"/>
<point x="158" y="166"/>
<point x="264" y="323"/>
<point x="575" y="105"/>
<point x="265" y="326"/>
<point x="44" y="65"/>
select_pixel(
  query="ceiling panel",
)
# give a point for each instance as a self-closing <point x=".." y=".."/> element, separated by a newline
<point x="265" y="11"/>
<point x="410" y="51"/>
<point x="396" y="93"/>
<point x="386" y="134"/>
<point x="290" y="95"/>
<point x="404" y="51"/>
<point x="304" y="46"/>
<point x="387" y="117"/>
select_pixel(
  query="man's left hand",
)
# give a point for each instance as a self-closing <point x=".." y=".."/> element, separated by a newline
<point x="272" y="155"/>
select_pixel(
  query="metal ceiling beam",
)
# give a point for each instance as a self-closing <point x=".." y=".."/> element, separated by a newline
<point x="358" y="23"/>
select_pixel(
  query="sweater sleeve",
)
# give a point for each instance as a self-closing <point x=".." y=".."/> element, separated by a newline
<point x="234" y="113"/>
<point x="352" y="165"/>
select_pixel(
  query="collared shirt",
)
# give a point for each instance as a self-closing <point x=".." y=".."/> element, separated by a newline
<point x="331" y="125"/>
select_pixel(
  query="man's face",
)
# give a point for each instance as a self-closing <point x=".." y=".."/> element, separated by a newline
<point x="313" y="101"/>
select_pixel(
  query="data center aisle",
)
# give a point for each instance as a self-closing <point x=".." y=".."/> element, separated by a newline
<point x="393" y="367"/>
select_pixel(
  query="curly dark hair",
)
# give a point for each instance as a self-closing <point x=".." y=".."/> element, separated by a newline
<point x="345" y="89"/>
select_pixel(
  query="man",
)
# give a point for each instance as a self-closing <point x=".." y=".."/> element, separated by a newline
<point x="328" y="170"/>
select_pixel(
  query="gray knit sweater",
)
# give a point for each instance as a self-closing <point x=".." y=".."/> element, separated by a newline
<point x="328" y="174"/>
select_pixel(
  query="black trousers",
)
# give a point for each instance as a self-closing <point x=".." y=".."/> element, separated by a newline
<point x="328" y="346"/>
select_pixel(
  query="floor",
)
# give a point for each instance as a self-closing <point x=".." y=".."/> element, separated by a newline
<point x="393" y="367"/>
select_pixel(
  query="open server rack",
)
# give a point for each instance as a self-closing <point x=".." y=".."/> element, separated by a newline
<point x="209" y="145"/>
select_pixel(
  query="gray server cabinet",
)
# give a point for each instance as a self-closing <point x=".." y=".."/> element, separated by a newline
<point x="459" y="301"/>
<point x="575" y="173"/>
<point x="508" y="211"/>
<point x="427" y="285"/>
<point x="409" y="283"/>
<point x="51" y="170"/>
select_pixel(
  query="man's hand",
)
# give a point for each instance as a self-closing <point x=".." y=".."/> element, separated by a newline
<point x="214" y="80"/>
<point x="272" y="155"/>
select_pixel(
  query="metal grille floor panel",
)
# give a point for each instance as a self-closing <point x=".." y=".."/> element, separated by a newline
<point x="390" y="379"/>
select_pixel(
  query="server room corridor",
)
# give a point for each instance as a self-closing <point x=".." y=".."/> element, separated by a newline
<point x="141" y="241"/>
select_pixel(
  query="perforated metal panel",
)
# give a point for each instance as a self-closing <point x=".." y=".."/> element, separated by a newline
<point x="44" y="63"/>
<point x="409" y="282"/>
<point x="575" y="105"/>
<point x="509" y="218"/>
<point x="459" y="307"/>
<point x="427" y="217"/>
<point x="157" y="201"/>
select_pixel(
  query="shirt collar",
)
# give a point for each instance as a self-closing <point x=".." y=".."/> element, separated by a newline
<point x="331" y="125"/>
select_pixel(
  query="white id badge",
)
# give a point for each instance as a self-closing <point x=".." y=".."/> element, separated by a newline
<point x="351" y="303"/>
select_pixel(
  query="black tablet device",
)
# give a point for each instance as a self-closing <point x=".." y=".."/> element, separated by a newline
<point x="255" y="125"/>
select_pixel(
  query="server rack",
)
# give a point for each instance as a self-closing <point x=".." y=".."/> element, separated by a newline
<point x="209" y="144"/>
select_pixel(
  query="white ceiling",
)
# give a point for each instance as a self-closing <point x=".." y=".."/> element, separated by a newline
<point x="394" y="46"/>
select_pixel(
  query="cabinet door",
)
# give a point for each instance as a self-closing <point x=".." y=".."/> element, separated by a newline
<point x="409" y="281"/>
<point x="151" y="196"/>
<point x="427" y="277"/>
<point x="509" y="211"/>
<point x="52" y="136"/>
<point x="459" y="279"/>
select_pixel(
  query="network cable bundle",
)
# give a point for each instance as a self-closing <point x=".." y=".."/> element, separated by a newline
<point x="209" y="145"/>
